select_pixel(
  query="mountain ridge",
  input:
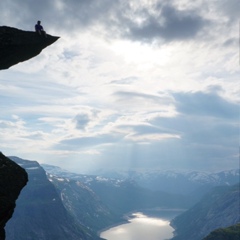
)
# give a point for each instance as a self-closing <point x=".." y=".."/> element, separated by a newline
<point x="172" y="181"/>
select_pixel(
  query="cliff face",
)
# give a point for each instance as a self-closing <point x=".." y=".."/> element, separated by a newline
<point x="12" y="179"/>
<point x="18" y="45"/>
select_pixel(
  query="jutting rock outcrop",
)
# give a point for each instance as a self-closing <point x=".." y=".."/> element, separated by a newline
<point x="12" y="179"/>
<point x="18" y="45"/>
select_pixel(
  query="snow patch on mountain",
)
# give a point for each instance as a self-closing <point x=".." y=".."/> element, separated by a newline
<point x="173" y="181"/>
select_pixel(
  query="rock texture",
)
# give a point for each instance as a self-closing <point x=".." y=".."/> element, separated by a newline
<point x="18" y="45"/>
<point x="12" y="179"/>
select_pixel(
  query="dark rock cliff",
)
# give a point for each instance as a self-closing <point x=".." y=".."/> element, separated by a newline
<point x="18" y="45"/>
<point x="12" y="179"/>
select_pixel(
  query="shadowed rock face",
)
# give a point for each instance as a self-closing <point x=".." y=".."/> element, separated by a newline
<point x="12" y="179"/>
<point x="18" y="46"/>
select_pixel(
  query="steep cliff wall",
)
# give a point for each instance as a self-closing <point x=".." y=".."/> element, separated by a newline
<point x="12" y="179"/>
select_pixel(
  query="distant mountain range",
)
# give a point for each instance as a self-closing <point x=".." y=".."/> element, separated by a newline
<point x="193" y="184"/>
<point x="57" y="204"/>
<point x="120" y="195"/>
<point x="183" y="182"/>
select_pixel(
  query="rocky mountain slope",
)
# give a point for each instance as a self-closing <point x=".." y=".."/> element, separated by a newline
<point x="41" y="214"/>
<point x="83" y="203"/>
<point x="218" y="209"/>
<point x="123" y="195"/>
<point x="12" y="179"/>
<point x="17" y="45"/>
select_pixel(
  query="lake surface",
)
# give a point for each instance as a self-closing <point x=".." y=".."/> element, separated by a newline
<point x="142" y="226"/>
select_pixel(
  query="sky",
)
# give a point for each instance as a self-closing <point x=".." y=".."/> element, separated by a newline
<point x="143" y="84"/>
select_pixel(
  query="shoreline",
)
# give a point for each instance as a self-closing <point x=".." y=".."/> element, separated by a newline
<point x="112" y="226"/>
<point x="126" y="217"/>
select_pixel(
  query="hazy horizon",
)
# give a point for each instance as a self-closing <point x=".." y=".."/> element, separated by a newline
<point x="149" y="84"/>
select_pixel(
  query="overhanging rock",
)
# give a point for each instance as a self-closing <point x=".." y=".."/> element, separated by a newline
<point x="18" y="46"/>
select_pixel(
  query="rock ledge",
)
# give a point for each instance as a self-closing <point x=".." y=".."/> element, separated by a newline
<point x="18" y="45"/>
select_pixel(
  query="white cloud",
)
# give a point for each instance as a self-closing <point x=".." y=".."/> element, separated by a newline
<point x="129" y="84"/>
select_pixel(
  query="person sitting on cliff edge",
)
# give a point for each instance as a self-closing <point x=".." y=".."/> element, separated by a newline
<point x="39" y="29"/>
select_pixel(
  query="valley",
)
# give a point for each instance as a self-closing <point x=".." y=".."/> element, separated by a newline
<point x="80" y="206"/>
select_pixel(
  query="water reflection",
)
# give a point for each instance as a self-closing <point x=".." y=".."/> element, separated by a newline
<point x="140" y="227"/>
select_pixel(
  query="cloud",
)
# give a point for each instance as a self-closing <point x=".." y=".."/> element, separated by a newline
<point x="81" y="120"/>
<point x="124" y="81"/>
<point x="129" y="84"/>
<point x="144" y="21"/>
<point x="78" y="143"/>
<point x="203" y="133"/>
<point x="157" y="99"/>
<point x="207" y="124"/>
<point x="71" y="15"/>
<point x="206" y="105"/>
<point x="87" y="118"/>
<point x="229" y="9"/>
<point x="145" y="133"/>
<point x="171" y="24"/>
<point x="230" y="42"/>
<point x="115" y="18"/>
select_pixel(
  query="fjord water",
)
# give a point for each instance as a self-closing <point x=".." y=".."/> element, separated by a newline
<point x="141" y="227"/>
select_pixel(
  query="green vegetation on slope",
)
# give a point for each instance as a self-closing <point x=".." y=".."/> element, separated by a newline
<point x="229" y="233"/>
